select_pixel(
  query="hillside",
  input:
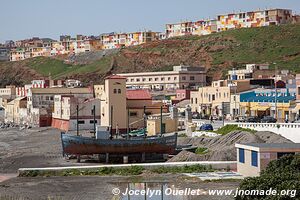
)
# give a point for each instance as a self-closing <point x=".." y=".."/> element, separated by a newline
<point x="218" y="52"/>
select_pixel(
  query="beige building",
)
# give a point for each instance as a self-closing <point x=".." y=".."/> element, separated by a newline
<point x="64" y="116"/>
<point x="154" y="126"/>
<point x="180" y="78"/>
<point x="219" y="98"/>
<point x="40" y="103"/>
<point x="113" y="110"/>
<point x="210" y="100"/>
<point x="15" y="111"/>
<point x="9" y="92"/>
<point x="252" y="158"/>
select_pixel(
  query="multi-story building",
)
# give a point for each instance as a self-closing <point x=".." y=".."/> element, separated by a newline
<point x="210" y="100"/>
<point x="40" y="102"/>
<point x="247" y="73"/>
<point x="69" y="109"/>
<point x="15" y="110"/>
<point x="119" y="40"/>
<point x="268" y="102"/>
<point x="113" y="111"/>
<point x="180" y="78"/>
<point x="18" y="54"/>
<point x="232" y="21"/>
<point x="4" y="54"/>
<point x="258" y="18"/>
<point x="201" y="27"/>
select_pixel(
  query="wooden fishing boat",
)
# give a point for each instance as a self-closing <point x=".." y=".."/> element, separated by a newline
<point x="78" y="145"/>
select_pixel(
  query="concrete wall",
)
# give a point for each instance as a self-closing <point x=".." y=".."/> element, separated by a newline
<point x="246" y="169"/>
<point x="287" y="130"/>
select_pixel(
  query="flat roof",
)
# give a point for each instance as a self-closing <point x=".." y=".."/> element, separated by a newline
<point x="269" y="146"/>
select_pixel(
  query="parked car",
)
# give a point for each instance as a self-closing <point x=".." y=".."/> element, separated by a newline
<point x="196" y="115"/>
<point x="206" y="127"/>
<point x="268" y="119"/>
<point x="240" y="119"/>
<point x="253" y="120"/>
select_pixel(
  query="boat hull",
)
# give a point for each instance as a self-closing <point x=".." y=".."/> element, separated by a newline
<point x="78" y="145"/>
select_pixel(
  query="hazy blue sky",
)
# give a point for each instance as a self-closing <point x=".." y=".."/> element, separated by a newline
<point x="51" y="18"/>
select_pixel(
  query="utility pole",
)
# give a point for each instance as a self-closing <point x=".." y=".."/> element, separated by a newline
<point x="275" y="84"/>
<point x="161" y="120"/>
<point x="128" y="115"/>
<point x="111" y="121"/>
<point x="145" y="117"/>
<point x="77" y="125"/>
<point x="94" y="113"/>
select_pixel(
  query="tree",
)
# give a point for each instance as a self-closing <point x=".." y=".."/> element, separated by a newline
<point x="281" y="174"/>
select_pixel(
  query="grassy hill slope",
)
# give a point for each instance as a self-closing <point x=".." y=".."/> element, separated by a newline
<point x="218" y="52"/>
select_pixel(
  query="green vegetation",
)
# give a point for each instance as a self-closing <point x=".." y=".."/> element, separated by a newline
<point x="281" y="174"/>
<point x="231" y="127"/>
<point x="201" y="150"/>
<point x="184" y="169"/>
<point x="57" y="68"/>
<point x="121" y="171"/>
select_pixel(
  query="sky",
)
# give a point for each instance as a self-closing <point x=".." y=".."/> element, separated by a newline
<point x="22" y="19"/>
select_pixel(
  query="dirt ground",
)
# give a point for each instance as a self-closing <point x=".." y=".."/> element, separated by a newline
<point x="41" y="147"/>
<point x="94" y="187"/>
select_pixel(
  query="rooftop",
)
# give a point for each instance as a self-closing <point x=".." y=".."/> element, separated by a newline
<point x="61" y="90"/>
<point x="138" y="95"/>
<point x="269" y="146"/>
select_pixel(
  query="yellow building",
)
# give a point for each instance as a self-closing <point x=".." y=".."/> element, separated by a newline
<point x="210" y="100"/>
<point x="16" y="110"/>
<point x="113" y="111"/>
<point x="168" y="125"/>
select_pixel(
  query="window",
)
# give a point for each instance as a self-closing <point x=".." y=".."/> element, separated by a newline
<point x="196" y="101"/>
<point x="156" y="79"/>
<point x="92" y="121"/>
<point x="191" y="100"/>
<point x="162" y="78"/>
<point x="133" y="114"/>
<point x="298" y="90"/>
<point x="183" y="78"/>
<point x="115" y="91"/>
<point x="119" y="91"/>
<point x="192" y="78"/>
<point x="150" y="79"/>
<point x="175" y="78"/>
<point x="254" y="159"/>
<point x="81" y="122"/>
<point x="169" y="78"/>
<point x="241" y="155"/>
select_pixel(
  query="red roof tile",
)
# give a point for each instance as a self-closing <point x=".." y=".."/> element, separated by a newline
<point x="138" y="95"/>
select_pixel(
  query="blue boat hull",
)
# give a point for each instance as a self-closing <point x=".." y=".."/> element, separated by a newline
<point x="78" y="145"/>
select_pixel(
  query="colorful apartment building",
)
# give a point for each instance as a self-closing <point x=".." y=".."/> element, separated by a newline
<point x="236" y="20"/>
<point x="258" y="18"/>
<point x="119" y="40"/>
